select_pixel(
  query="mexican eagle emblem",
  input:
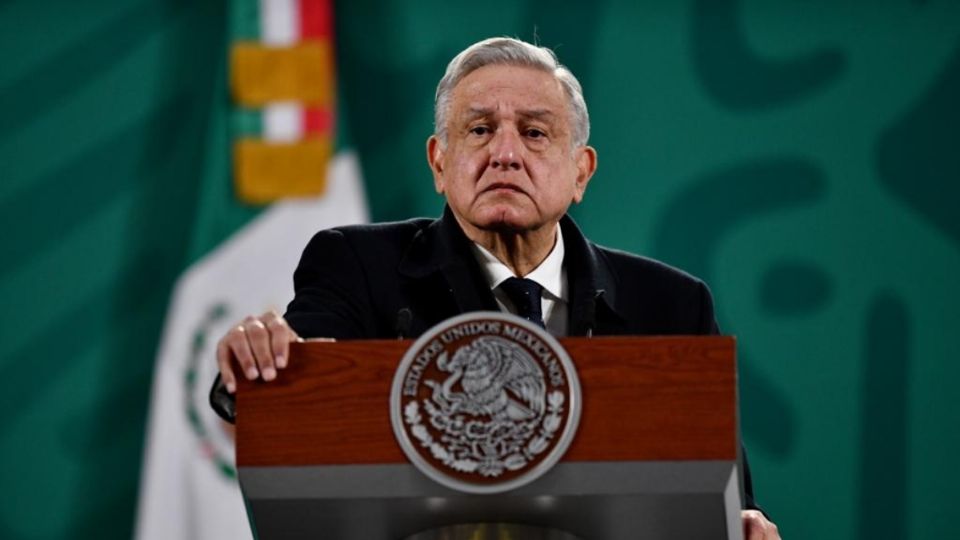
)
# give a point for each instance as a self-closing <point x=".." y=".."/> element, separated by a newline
<point x="485" y="402"/>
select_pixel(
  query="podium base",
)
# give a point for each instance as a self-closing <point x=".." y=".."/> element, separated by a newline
<point x="653" y="500"/>
<point x="492" y="531"/>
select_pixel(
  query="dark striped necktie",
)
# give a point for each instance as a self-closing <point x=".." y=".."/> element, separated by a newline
<point x="525" y="295"/>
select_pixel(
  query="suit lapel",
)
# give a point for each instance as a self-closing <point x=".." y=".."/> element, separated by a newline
<point x="449" y="281"/>
<point x="592" y="286"/>
<point x="440" y="261"/>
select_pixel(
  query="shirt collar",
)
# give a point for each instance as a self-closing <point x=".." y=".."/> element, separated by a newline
<point x="549" y="274"/>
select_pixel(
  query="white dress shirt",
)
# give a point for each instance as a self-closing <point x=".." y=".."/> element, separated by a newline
<point x="550" y="274"/>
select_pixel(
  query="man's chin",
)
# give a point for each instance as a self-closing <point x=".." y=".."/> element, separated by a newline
<point x="500" y="218"/>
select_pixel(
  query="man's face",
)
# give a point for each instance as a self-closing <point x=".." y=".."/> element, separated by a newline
<point x="509" y="162"/>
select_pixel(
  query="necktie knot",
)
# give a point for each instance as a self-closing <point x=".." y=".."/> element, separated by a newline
<point x="525" y="295"/>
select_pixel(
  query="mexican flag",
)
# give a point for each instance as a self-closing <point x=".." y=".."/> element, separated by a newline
<point x="281" y="120"/>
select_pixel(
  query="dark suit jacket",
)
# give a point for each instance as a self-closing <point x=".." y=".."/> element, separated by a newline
<point x="385" y="280"/>
<point x="353" y="282"/>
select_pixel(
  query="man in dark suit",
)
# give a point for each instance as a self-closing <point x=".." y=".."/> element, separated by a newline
<point x="510" y="155"/>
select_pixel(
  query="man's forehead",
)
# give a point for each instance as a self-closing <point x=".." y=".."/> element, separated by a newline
<point x="487" y="81"/>
<point x="499" y="88"/>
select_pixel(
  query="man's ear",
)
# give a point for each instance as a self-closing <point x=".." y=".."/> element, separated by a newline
<point x="435" y="151"/>
<point x="586" y="165"/>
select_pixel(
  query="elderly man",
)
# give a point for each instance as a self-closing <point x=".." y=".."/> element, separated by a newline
<point x="510" y="156"/>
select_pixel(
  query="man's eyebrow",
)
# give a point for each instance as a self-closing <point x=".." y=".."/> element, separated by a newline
<point x="478" y="112"/>
<point x="539" y="114"/>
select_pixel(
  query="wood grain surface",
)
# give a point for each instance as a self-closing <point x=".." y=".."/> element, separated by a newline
<point x="650" y="398"/>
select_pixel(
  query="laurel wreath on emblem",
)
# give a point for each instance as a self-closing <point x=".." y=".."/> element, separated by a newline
<point x="485" y="429"/>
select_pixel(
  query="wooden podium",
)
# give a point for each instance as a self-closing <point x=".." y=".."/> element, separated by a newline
<point x="655" y="456"/>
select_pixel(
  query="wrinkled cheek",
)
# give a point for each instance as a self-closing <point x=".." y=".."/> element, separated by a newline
<point x="475" y="171"/>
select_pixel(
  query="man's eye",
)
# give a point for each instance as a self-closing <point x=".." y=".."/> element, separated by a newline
<point x="479" y="130"/>
<point x="535" y="133"/>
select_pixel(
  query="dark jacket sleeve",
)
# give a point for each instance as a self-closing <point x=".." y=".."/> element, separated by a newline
<point x="331" y="291"/>
<point x="223" y="403"/>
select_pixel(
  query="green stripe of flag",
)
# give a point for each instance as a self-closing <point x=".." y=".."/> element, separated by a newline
<point x="244" y="20"/>
<point x="246" y="123"/>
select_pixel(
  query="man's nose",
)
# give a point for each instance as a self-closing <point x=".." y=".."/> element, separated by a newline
<point x="505" y="150"/>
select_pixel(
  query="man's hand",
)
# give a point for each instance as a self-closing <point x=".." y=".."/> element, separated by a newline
<point x="260" y="345"/>
<point x="756" y="526"/>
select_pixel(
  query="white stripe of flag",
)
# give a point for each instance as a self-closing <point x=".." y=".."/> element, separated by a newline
<point x="283" y="122"/>
<point x="279" y="22"/>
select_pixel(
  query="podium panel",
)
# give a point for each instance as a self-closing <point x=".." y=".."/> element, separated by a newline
<point x="655" y="455"/>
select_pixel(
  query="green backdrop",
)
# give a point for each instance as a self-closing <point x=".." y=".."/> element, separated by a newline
<point x="802" y="157"/>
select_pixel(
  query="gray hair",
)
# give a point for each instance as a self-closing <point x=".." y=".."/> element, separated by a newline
<point x="510" y="52"/>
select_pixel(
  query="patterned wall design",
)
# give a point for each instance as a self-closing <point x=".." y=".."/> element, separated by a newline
<point x="801" y="157"/>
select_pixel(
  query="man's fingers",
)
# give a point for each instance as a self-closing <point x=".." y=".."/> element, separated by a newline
<point x="237" y="342"/>
<point x="259" y="339"/>
<point x="259" y="345"/>
<point x="223" y="363"/>
<point x="234" y="346"/>
<point x="757" y="527"/>
<point x="280" y="337"/>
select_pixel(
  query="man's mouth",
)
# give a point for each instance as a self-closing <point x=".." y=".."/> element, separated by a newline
<point x="502" y="186"/>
